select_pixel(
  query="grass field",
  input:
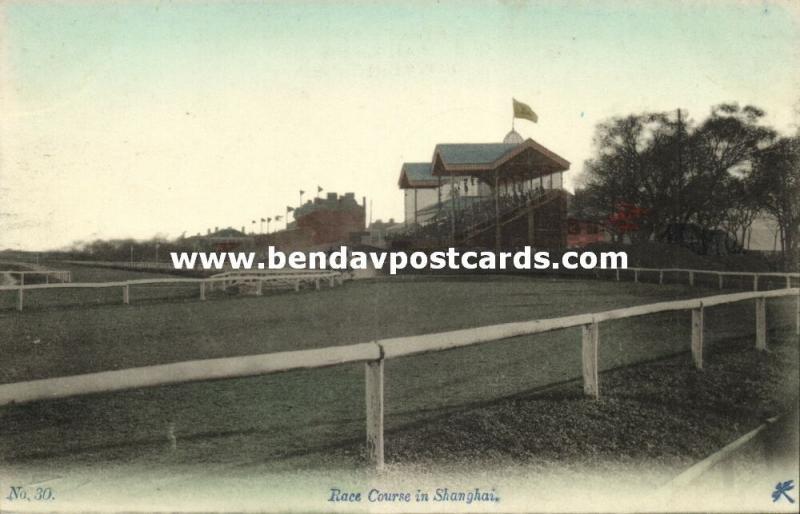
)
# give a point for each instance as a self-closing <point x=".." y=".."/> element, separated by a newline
<point x="316" y="418"/>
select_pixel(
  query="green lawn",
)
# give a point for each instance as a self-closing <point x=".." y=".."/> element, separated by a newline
<point x="316" y="417"/>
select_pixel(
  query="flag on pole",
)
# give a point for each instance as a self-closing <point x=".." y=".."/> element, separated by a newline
<point x="524" y="111"/>
<point x="278" y="217"/>
<point x="263" y="220"/>
<point x="302" y="192"/>
<point x="319" y="189"/>
<point x="289" y="209"/>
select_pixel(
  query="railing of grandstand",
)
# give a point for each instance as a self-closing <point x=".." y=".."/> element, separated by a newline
<point x="258" y="279"/>
<point x="473" y="213"/>
<point x="374" y="354"/>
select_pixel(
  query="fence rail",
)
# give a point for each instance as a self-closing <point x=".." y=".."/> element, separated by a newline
<point x="374" y="354"/>
<point x="258" y="280"/>
<point x="692" y="273"/>
<point x="63" y="276"/>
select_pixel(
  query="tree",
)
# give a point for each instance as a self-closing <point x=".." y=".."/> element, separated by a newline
<point x="677" y="172"/>
<point x="776" y="179"/>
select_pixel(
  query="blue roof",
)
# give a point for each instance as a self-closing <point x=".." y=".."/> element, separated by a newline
<point x="473" y="153"/>
<point x="418" y="171"/>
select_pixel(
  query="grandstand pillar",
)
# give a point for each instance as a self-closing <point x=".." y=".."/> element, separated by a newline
<point x="202" y="290"/>
<point x="452" y="209"/>
<point x="20" y="295"/>
<point x="720" y="280"/>
<point x="788" y="281"/>
<point x="617" y="274"/>
<point x="531" y="226"/>
<point x="636" y="276"/>
<point x="498" y="235"/>
<point x="755" y="282"/>
<point x="259" y="288"/>
<point x="660" y="276"/>
<point x="697" y="337"/>
<point x="589" y="344"/>
<point x="691" y="278"/>
<point x="374" y="398"/>
<point x="126" y="294"/>
<point x="761" y="324"/>
<point x="415" y="205"/>
<point x="297" y="284"/>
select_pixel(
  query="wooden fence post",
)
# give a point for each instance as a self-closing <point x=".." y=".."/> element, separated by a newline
<point x="20" y="295"/>
<point x="691" y="278"/>
<point x="203" y="290"/>
<point x="720" y="280"/>
<point x="374" y="396"/>
<point x="697" y="337"/>
<point x="761" y="324"/>
<point x="126" y="294"/>
<point x="755" y="282"/>
<point x="589" y="343"/>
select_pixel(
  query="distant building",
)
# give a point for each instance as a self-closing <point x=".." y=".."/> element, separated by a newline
<point x="220" y="240"/>
<point x="378" y="232"/>
<point x="329" y="220"/>
<point x="585" y="232"/>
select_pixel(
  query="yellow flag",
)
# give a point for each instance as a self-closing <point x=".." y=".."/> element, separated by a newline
<point x="524" y="111"/>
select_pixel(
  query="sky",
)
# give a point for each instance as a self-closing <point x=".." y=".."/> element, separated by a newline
<point x="136" y="119"/>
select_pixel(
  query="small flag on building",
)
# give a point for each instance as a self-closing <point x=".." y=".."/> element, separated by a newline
<point x="289" y="209"/>
<point x="319" y="189"/>
<point x="524" y="111"/>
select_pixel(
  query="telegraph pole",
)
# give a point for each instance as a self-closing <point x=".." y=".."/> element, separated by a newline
<point x="680" y="170"/>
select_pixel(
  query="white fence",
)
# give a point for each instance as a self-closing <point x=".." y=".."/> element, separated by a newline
<point x="374" y="354"/>
<point x="254" y="279"/>
<point x="61" y="276"/>
<point x="692" y="273"/>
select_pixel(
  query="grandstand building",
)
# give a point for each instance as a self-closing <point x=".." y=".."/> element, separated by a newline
<point x="500" y="195"/>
